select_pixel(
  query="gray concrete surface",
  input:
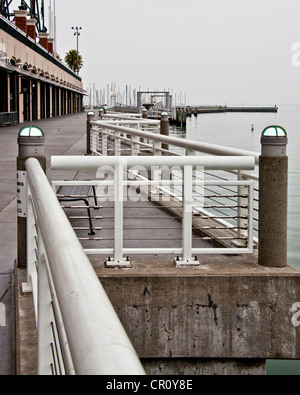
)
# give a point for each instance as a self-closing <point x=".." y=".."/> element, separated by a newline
<point x="228" y="307"/>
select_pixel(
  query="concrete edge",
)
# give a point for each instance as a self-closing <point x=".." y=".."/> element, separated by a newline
<point x="26" y="334"/>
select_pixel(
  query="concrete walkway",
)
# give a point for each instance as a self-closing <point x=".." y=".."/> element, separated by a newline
<point x="64" y="135"/>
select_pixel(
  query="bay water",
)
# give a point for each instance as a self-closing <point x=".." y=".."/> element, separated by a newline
<point x="235" y="130"/>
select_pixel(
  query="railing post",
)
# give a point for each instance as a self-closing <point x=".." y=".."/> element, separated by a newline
<point x="187" y="219"/>
<point x="98" y="138"/>
<point x="31" y="141"/>
<point x="155" y="175"/>
<point x="90" y="117"/>
<point x="31" y="243"/>
<point x="164" y="127"/>
<point x="117" y="143"/>
<point x="273" y="176"/>
<point x="134" y="145"/>
<point x="118" y="259"/>
<point x="104" y="141"/>
<point x="45" y="316"/>
<point x="157" y="148"/>
<point x="93" y="140"/>
<point x="242" y="211"/>
<point x="198" y="177"/>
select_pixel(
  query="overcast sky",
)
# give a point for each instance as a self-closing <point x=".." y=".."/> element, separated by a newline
<point x="215" y="51"/>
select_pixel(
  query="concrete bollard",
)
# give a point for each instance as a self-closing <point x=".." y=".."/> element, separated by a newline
<point x="91" y="116"/>
<point x="31" y="141"/>
<point x="144" y="113"/>
<point x="164" y="127"/>
<point x="273" y="196"/>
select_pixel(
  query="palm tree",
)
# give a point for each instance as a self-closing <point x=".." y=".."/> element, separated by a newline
<point x="73" y="61"/>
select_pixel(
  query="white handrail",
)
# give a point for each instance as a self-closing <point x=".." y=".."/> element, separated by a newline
<point x="122" y="115"/>
<point x="211" y="149"/>
<point x="98" y="342"/>
<point x="123" y="121"/>
<point x="209" y="162"/>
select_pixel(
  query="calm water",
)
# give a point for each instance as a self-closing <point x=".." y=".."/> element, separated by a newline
<point x="234" y="130"/>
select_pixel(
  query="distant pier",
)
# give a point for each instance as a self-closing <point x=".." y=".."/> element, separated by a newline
<point x="153" y="103"/>
<point x="251" y="109"/>
<point x="179" y="114"/>
<point x="214" y="109"/>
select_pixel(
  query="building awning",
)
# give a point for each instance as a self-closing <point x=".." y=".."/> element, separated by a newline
<point x="13" y="69"/>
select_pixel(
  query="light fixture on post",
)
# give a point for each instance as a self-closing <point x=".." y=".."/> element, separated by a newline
<point x="274" y="141"/>
<point x="77" y="33"/>
<point x="31" y="141"/>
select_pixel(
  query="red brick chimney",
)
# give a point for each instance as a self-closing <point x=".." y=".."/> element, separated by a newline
<point x="21" y="20"/>
<point x="50" y="45"/>
<point x="44" y="40"/>
<point x="31" y="28"/>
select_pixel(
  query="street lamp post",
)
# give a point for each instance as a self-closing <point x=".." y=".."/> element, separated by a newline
<point x="77" y="34"/>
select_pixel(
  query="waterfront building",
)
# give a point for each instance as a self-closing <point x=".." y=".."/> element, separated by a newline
<point x="34" y="84"/>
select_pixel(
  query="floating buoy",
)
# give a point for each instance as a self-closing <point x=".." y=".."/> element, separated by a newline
<point x="252" y="128"/>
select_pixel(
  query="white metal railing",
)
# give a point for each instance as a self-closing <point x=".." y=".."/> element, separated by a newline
<point x="190" y="195"/>
<point x="120" y="115"/>
<point x="78" y="329"/>
<point x="154" y="145"/>
<point x="99" y="143"/>
<point x="121" y="140"/>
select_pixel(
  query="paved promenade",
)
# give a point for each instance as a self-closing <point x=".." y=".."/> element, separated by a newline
<point x="64" y="135"/>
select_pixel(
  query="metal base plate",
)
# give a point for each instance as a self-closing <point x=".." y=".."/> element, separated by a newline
<point x="125" y="263"/>
<point x="180" y="262"/>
